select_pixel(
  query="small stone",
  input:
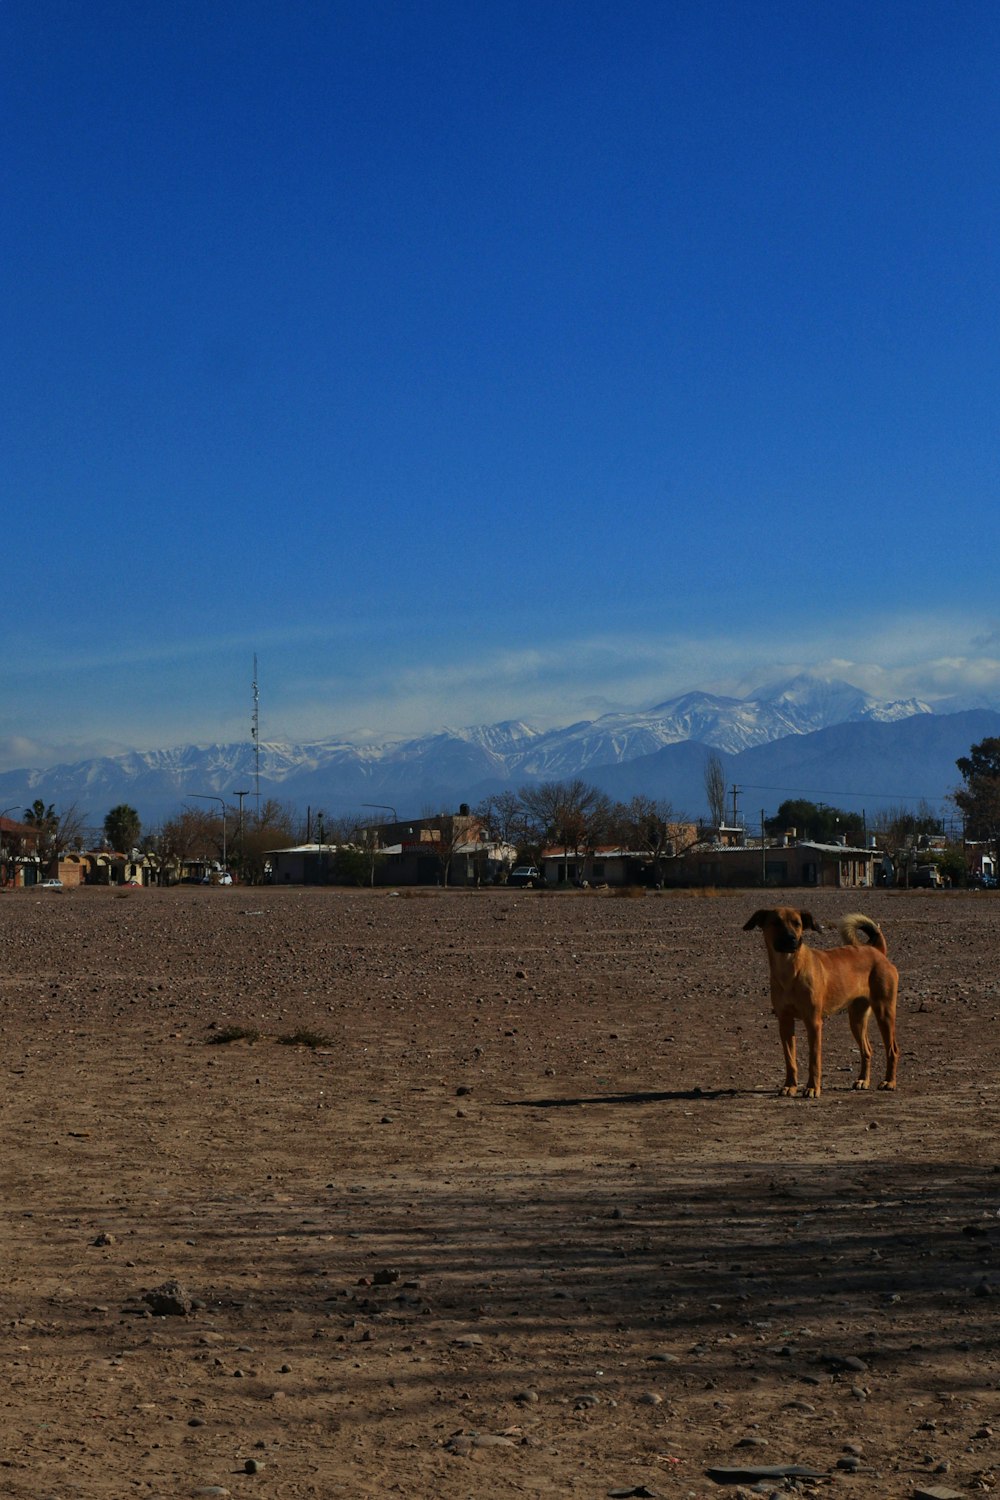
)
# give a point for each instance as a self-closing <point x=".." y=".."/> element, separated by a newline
<point x="663" y="1358"/>
<point x="103" y="1239"/>
<point x="846" y="1362"/>
<point x="385" y="1277"/>
<point x="528" y="1397"/>
<point x="254" y="1466"/>
<point x="650" y="1398"/>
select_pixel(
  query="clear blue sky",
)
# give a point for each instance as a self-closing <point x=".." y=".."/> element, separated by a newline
<point x="469" y="361"/>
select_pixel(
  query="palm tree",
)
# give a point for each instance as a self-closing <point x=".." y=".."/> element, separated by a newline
<point x="122" y="828"/>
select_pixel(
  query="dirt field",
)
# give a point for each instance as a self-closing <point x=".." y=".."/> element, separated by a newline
<point x="530" y="1219"/>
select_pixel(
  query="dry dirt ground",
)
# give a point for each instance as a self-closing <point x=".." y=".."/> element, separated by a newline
<point x="531" y="1218"/>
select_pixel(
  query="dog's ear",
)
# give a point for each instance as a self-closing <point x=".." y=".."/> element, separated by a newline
<point x="807" y="921"/>
<point x="757" y="920"/>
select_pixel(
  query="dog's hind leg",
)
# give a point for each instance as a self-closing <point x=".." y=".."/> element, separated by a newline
<point x="859" y="1012"/>
<point x="786" y="1030"/>
<point x="887" y="1026"/>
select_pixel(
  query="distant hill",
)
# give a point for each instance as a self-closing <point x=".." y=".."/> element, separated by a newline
<point x="811" y="736"/>
<point x="858" y="766"/>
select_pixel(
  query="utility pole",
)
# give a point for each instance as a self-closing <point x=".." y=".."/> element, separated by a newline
<point x="255" y="734"/>
<point x="241" y="795"/>
<point x="735" y="791"/>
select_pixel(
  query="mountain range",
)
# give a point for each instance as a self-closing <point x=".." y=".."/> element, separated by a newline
<point x="810" y="736"/>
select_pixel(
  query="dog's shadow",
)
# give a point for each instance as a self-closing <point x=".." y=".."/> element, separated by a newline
<point x="665" y="1096"/>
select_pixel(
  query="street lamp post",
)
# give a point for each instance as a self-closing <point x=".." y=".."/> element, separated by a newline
<point x="210" y="797"/>
<point x="241" y="795"/>
<point x="383" y="807"/>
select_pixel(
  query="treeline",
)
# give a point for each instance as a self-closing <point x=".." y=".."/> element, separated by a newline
<point x="569" y="815"/>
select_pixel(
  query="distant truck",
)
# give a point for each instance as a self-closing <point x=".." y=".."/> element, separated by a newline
<point x="927" y="877"/>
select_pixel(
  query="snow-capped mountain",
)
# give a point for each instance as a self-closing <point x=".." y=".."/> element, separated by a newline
<point x="455" y="765"/>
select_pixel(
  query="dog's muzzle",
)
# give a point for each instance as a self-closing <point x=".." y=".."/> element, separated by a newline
<point x="787" y="942"/>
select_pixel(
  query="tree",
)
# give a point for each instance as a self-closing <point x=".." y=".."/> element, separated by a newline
<point x="650" y="825"/>
<point x="815" y="820"/>
<point x="274" y="827"/>
<point x="568" y="813"/>
<point x="54" y="831"/>
<point x="979" y="799"/>
<point x="122" y="828"/>
<point x="192" y="833"/>
<point x="45" y="823"/>
<point x="502" y="818"/>
<point x="715" y="790"/>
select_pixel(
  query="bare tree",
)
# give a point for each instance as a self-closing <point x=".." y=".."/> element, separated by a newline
<point x="274" y="827"/>
<point x="567" y="813"/>
<point x="649" y="824"/>
<point x="502" y="817"/>
<point x="715" y="789"/>
<point x="55" y="831"/>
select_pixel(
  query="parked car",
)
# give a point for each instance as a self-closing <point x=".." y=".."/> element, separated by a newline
<point x="525" y="875"/>
<point x="50" y="885"/>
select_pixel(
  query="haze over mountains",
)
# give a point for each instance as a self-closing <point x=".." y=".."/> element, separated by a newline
<point x="809" y="736"/>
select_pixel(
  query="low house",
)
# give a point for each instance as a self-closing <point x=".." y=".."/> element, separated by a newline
<point x="107" y="867"/>
<point x="613" y="864"/>
<point x="304" y="864"/>
<point x="72" y="869"/>
<point x="19" y="862"/>
<point x="447" y="849"/>
<point x="839" y="866"/>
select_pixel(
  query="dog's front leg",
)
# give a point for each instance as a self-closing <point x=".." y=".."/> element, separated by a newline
<point x="786" y="1030"/>
<point x="814" y="1031"/>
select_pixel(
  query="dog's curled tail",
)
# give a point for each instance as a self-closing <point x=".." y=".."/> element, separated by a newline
<point x="854" y="923"/>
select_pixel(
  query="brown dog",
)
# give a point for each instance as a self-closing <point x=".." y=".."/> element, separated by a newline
<point x="809" y="984"/>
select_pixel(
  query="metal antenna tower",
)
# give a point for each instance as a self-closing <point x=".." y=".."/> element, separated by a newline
<point x="255" y="736"/>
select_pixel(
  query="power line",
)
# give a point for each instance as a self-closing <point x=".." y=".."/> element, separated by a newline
<point x="814" y="791"/>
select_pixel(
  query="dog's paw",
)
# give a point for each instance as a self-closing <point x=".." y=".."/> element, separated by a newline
<point x="862" y="1083"/>
<point x="890" y="1083"/>
<point x="812" y="1093"/>
<point x="789" y="1090"/>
